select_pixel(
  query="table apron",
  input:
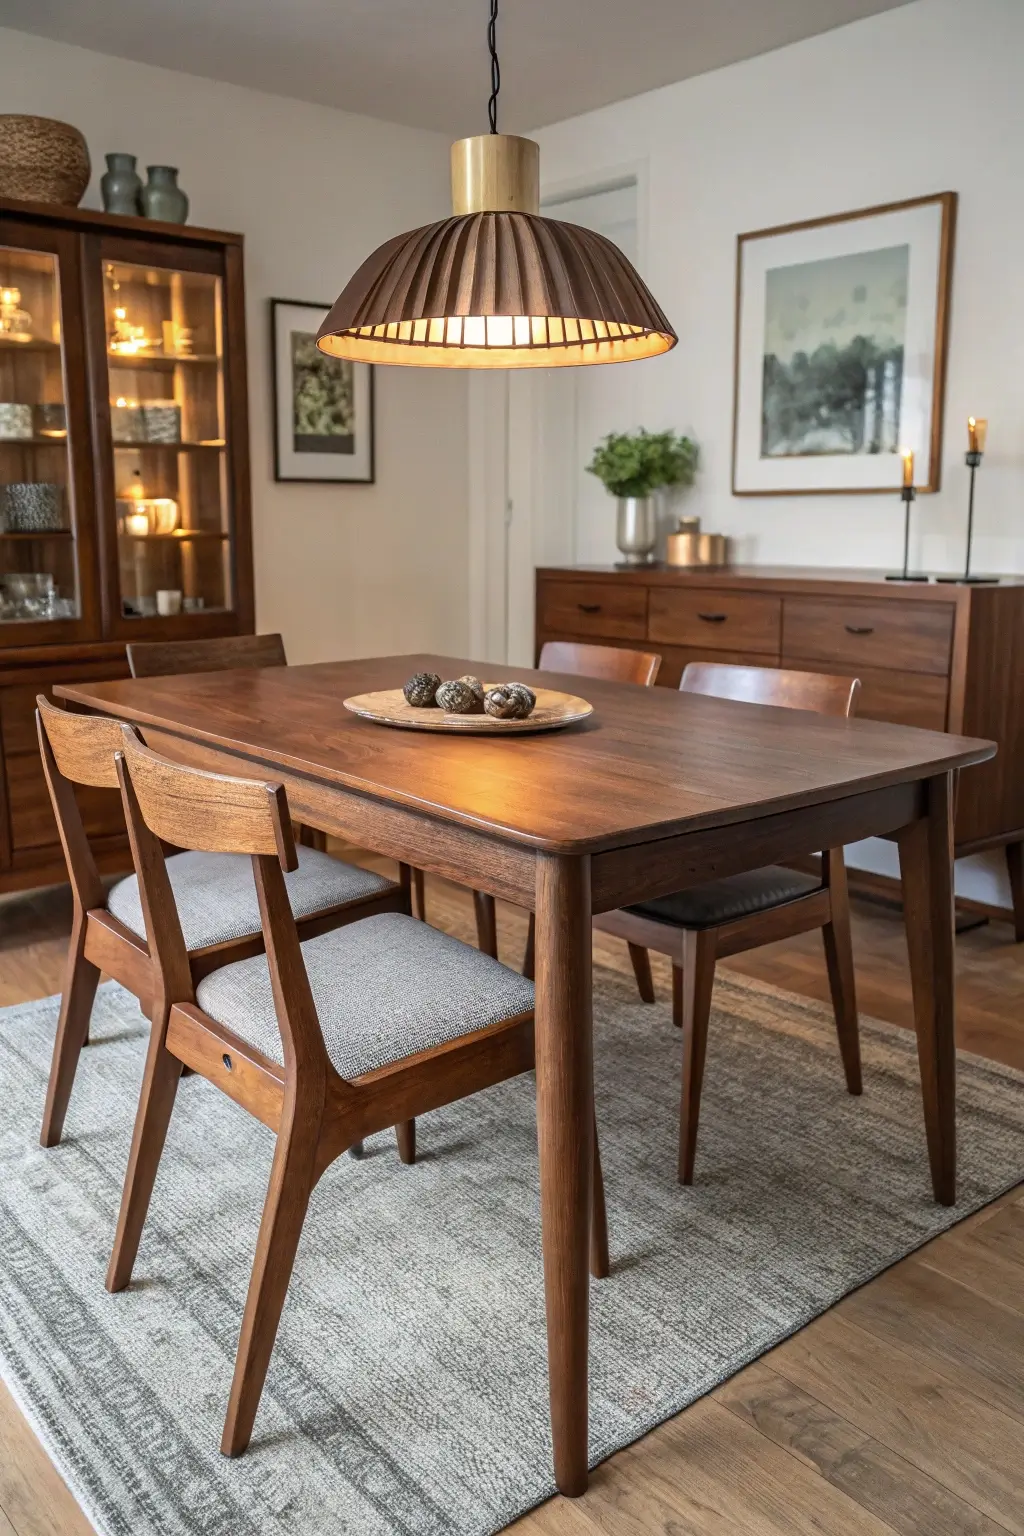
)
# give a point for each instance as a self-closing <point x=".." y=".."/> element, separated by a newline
<point x="412" y="837"/>
<point x="623" y="876"/>
<point x="620" y="876"/>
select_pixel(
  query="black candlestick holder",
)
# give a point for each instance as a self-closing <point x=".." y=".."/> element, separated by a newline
<point x="972" y="458"/>
<point x="907" y="494"/>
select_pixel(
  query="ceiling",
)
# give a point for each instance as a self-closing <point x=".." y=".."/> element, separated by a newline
<point x="424" y="62"/>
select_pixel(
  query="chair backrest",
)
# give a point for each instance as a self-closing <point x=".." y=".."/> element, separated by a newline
<point x="210" y="812"/>
<point x="821" y="692"/>
<point x="609" y="663"/>
<point x="77" y="749"/>
<point x="165" y="658"/>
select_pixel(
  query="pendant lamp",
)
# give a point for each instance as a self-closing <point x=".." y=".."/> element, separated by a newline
<point x="497" y="285"/>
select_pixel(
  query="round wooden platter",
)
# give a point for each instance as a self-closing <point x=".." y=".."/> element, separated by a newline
<point x="552" y="712"/>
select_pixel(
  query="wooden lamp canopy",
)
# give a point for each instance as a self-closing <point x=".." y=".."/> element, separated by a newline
<point x="496" y="285"/>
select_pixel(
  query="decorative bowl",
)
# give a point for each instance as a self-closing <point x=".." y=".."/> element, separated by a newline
<point x="551" y="712"/>
<point x="32" y="507"/>
<point x="42" y="160"/>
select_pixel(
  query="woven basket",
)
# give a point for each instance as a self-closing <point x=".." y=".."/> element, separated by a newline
<point x="42" y="160"/>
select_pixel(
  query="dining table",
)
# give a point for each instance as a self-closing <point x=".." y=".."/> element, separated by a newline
<point x="655" y="791"/>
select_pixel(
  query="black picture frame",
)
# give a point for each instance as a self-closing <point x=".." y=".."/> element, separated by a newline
<point x="309" y="466"/>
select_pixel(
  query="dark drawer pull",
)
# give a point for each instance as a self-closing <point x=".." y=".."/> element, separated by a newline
<point x="712" y="618"/>
<point x="860" y="629"/>
<point x="589" y="607"/>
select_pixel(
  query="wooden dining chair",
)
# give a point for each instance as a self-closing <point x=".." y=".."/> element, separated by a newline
<point x="698" y="926"/>
<point x="324" y="1040"/>
<point x="170" y="658"/>
<point x="220" y="914"/>
<point x="612" y="664"/>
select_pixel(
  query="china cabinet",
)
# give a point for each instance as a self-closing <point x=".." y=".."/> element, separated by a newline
<point x="124" y="475"/>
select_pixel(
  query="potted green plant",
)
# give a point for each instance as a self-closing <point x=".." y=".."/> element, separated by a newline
<point x="633" y="467"/>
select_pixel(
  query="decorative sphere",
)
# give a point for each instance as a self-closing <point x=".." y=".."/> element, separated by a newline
<point x="508" y="701"/>
<point x="457" y="698"/>
<point x="521" y="688"/>
<point x="420" y="690"/>
<point x="476" y="685"/>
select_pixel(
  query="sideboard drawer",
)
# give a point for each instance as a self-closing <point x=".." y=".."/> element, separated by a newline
<point x="908" y="637"/>
<point x="901" y="698"/>
<point x="615" y="610"/>
<point x="715" y="620"/>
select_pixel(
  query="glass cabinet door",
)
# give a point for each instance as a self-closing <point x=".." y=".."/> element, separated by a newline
<point x="40" y="576"/>
<point x="165" y="360"/>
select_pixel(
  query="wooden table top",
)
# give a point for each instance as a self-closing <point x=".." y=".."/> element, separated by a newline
<point x="648" y="763"/>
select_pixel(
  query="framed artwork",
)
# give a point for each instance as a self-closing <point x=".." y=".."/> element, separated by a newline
<point x="323" y="406"/>
<point x="841" y="332"/>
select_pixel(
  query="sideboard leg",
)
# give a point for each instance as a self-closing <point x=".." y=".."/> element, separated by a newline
<point x="1015" y="868"/>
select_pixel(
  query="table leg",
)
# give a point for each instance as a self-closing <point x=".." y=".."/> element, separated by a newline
<point x="926" y="865"/>
<point x="565" y="1109"/>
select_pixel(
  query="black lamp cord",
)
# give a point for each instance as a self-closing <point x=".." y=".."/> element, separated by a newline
<point x="492" y="46"/>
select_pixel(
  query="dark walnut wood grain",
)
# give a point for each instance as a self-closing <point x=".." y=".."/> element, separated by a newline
<point x="656" y="790"/>
<point x="942" y="657"/>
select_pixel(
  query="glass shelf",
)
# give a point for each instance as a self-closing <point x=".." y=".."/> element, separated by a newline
<point x="169" y="440"/>
<point x="38" y="557"/>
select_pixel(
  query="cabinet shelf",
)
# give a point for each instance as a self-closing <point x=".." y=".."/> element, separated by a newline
<point x="164" y="360"/>
<point x="55" y="533"/>
<point x="34" y="442"/>
<point x="36" y="344"/>
<point x="179" y="536"/>
<point x="182" y="447"/>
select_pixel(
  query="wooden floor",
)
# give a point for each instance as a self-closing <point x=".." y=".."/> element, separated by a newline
<point x="901" y="1410"/>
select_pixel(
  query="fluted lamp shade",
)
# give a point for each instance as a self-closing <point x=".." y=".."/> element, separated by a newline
<point x="496" y="285"/>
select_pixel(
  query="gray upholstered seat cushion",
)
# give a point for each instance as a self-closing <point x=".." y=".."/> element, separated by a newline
<point x="215" y="893"/>
<point x="722" y="901"/>
<point x="384" y="987"/>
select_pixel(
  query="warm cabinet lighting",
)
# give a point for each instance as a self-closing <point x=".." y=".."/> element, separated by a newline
<point x="497" y="285"/>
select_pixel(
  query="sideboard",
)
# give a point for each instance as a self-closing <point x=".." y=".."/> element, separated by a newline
<point x="941" y="656"/>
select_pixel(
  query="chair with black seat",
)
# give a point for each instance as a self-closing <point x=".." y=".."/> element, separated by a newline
<point x="696" y="927"/>
<point x="219" y="912"/>
<point x="325" y="1041"/>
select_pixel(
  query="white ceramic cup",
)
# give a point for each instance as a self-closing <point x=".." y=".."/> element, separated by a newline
<point x="168" y="602"/>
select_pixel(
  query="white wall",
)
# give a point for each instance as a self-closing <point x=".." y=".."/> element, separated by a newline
<point x="340" y="570"/>
<point x="920" y="99"/>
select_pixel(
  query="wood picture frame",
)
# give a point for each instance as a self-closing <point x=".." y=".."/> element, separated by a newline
<point x="323" y="407"/>
<point x="861" y="300"/>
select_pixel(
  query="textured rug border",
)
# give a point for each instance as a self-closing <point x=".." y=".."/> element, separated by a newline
<point x="742" y="982"/>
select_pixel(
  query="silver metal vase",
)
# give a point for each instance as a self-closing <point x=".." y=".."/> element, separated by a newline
<point x="636" y="529"/>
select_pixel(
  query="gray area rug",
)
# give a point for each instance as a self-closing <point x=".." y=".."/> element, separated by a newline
<point x="407" y="1393"/>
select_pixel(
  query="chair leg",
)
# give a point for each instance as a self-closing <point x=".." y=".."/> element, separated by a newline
<point x="159" y="1086"/>
<point x="291" y="1183"/>
<point x="600" y="1264"/>
<point x="312" y="837"/>
<point x="839" y="959"/>
<point x="642" y="971"/>
<point x="419" y="883"/>
<point x="80" y="982"/>
<point x="486" y="923"/>
<point x="698" y="977"/>
<point x="677" y="995"/>
<point x="405" y="1130"/>
<point x="528" y="953"/>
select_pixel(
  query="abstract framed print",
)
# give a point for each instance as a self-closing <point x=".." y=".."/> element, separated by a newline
<point x="323" y="406"/>
<point x="841" y="336"/>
